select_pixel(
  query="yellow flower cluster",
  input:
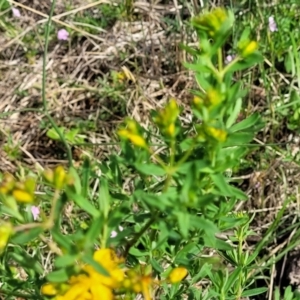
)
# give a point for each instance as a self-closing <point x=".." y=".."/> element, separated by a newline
<point x="214" y="21"/>
<point x="6" y="231"/>
<point x="247" y="47"/>
<point x="21" y="191"/>
<point x="212" y="98"/>
<point x="57" y="177"/>
<point x="91" y="285"/>
<point x="133" y="134"/>
<point x="166" y="118"/>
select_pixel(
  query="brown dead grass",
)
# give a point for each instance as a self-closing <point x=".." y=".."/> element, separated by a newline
<point x="74" y="73"/>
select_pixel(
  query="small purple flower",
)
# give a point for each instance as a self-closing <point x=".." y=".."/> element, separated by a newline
<point x="272" y="24"/>
<point x="35" y="210"/>
<point x="16" y="12"/>
<point x="63" y="35"/>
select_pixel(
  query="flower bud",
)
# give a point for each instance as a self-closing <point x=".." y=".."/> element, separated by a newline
<point x="23" y="196"/>
<point x="6" y="231"/>
<point x="59" y="177"/>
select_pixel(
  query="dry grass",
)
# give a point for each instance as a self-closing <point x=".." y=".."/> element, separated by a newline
<point x="78" y="77"/>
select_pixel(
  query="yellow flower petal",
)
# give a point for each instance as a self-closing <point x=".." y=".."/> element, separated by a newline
<point x="6" y="230"/>
<point x="22" y="196"/>
<point x="49" y="289"/>
<point x="177" y="274"/>
<point x="137" y="140"/>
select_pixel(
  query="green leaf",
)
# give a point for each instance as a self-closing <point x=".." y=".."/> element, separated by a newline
<point x="183" y="222"/>
<point x="26" y="236"/>
<point x="246" y="123"/>
<point x="27" y="261"/>
<point x="221" y="184"/>
<point x="156" y="266"/>
<point x="150" y="169"/>
<point x="58" y="276"/>
<point x="232" y="280"/>
<point x="12" y="211"/>
<point x="239" y="138"/>
<point x="238" y="193"/>
<point x="93" y="232"/>
<point x="138" y="253"/>
<point x="77" y="182"/>
<point x="62" y="240"/>
<point x="83" y="203"/>
<point x="234" y="114"/>
<point x="104" y="197"/>
<point x="52" y="134"/>
<point x="86" y="170"/>
<point x="98" y="267"/>
<point x="65" y="260"/>
<point x="254" y="292"/>
<point x="152" y="200"/>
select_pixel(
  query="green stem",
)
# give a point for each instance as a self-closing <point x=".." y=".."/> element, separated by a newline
<point x="140" y="233"/>
<point x="51" y="120"/>
<point x="220" y="60"/>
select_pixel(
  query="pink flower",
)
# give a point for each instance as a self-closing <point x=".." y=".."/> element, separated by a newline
<point x="229" y="58"/>
<point x="272" y="24"/>
<point x="63" y="35"/>
<point x="114" y="233"/>
<point x="16" y="12"/>
<point x="35" y="210"/>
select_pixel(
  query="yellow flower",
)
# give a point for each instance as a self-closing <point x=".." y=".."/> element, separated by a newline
<point x="132" y="133"/>
<point x="59" y="177"/>
<point x="247" y="47"/>
<point x="49" y="289"/>
<point x="23" y="196"/>
<point x="6" y="230"/>
<point x="166" y="118"/>
<point x="218" y="134"/>
<point x="90" y="285"/>
<point x="7" y="184"/>
<point x="137" y="140"/>
<point x="213" y="22"/>
<point x="177" y="274"/>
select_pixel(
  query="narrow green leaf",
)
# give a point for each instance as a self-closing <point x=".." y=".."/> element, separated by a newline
<point x="246" y="123"/>
<point x="27" y="261"/>
<point x="58" y="276"/>
<point x="104" y="197"/>
<point x="65" y="260"/>
<point x="26" y="236"/>
<point x="93" y="232"/>
<point x="254" y="292"/>
<point x="62" y="240"/>
<point x="138" y="253"/>
<point x="77" y="182"/>
<point x="221" y="184"/>
<point x="83" y="203"/>
<point x="183" y="222"/>
<point x="86" y="170"/>
<point x="150" y="169"/>
<point x="235" y="112"/>
<point x="156" y="266"/>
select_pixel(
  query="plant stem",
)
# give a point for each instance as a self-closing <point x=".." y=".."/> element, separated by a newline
<point x="139" y="234"/>
<point x="51" y="120"/>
